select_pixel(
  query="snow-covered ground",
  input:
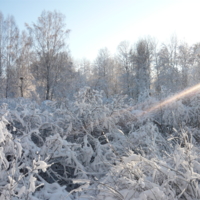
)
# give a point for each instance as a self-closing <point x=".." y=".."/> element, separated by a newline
<point x="92" y="149"/>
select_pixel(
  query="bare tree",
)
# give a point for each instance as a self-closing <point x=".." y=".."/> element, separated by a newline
<point x="2" y="53"/>
<point x="195" y="68"/>
<point x="168" y="76"/>
<point x="2" y="40"/>
<point x="104" y="73"/>
<point x="48" y="41"/>
<point x="11" y="55"/>
<point x="124" y="59"/>
<point x="185" y="61"/>
<point x="24" y="76"/>
<point x="141" y="61"/>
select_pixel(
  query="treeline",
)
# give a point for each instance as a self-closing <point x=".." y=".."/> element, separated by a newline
<point x="147" y="68"/>
<point x="36" y="63"/>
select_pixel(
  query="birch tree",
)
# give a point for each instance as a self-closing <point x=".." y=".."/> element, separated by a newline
<point x="10" y="56"/>
<point x="24" y="76"/>
<point x="49" y="36"/>
<point x="126" y="75"/>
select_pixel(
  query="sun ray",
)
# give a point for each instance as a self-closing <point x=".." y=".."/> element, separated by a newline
<point x="163" y="103"/>
<point x="169" y="100"/>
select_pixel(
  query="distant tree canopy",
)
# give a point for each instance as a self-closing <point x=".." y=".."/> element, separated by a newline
<point x="40" y="55"/>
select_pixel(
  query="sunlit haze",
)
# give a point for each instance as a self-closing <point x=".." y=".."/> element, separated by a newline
<point x="96" y="24"/>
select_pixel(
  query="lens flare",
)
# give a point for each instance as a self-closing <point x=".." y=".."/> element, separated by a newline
<point x="180" y="95"/>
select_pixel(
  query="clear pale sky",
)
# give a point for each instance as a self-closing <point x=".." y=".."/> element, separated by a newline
<point x="96" y="24"/>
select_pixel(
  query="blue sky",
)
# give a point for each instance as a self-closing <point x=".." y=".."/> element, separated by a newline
<point x="96" y="24"/>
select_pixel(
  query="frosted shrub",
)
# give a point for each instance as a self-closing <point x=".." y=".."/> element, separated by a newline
<point x="17" y="171"/>
<point x="94" y="148"/>
<point x="172" y="177"/>
<point x="20" y="161"/>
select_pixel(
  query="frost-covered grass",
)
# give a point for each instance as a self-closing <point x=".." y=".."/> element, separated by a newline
<point x="97" y="149"/>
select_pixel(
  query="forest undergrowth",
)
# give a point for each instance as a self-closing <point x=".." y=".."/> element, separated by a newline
<point x="93" y="148"/>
